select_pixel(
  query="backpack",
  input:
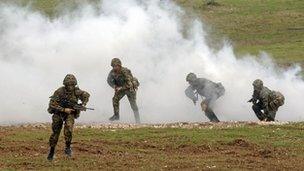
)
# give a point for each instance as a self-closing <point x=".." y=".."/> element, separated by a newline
<point x="278" y="100"/>
<point x="135" y="83"/>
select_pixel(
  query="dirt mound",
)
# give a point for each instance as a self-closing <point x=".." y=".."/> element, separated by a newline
<point x="239" y="142"/>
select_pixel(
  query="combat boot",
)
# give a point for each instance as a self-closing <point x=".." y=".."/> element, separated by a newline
<point x="50" y="157"/>
<point x="114" y="118"/>
<point x="68" y="151"/>
<point x="137" y="117"/>
<point x="211" y="116"/>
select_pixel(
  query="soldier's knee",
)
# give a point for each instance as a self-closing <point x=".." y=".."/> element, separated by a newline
<point x="134" y="105"/>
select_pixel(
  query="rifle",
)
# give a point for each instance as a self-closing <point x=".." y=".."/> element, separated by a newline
<point x="68" y="104"/>
<point x="252" y="100"/>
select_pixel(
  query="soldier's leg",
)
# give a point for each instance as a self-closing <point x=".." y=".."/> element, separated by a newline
<point x="258" y="112"/>
<point x="271" y="115"/>
<point x="68" y="133"/>
<point x="132" y="99"/>
<point x="209" y="112"/>
<point x="117" y="97"/>
<point x="56" y="128"/>
<point x="211" y="115"/>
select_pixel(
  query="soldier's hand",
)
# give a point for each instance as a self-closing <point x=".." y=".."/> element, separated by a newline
<point x="117" y="89"/>
<point x="68" y="110"/>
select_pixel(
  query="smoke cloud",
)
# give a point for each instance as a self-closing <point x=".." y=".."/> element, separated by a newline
<point x="149" y="37"/>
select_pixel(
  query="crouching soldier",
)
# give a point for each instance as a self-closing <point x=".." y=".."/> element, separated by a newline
<point x="265" y="102"/>
<point x="65" y="109"/>
<point x="123" y="83"/>
<point x="208" y="90"/>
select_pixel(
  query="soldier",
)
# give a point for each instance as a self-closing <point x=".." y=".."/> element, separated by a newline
<point x="265" y="100"/>
<point x="123" y="82"/>
<point x="65" y="114"/>
<point x="208" y="90"/>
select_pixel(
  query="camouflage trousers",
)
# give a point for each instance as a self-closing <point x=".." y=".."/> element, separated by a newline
<point x="58" y="120"/>
<point x="266" y="115"/>
<point x="132" y="99"/>
<point x="206" y="107"/>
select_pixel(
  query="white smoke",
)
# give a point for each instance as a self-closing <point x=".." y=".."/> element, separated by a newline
<point x="36" y="53"/>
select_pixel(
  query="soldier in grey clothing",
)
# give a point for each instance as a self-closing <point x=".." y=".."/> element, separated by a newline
<point x="208" y="90"/>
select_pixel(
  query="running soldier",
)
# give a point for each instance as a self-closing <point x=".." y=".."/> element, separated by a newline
<point x="123" y="83"/>
<point x="208" y="90"/>
<point x="65" y="109"/>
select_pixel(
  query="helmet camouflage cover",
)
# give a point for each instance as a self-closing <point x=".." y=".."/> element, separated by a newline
<point x="258" y="83"/>
<point x="191" y="77"/>
<point x="115" y="61"/>
<point x="70" y="79"/>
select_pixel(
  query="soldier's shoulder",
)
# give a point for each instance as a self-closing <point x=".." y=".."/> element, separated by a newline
<point x="202" y="80"/>
<point x="60" y="90"/>
<point x="266" y="90"/>
<point x="79" y="92"/>
<point x="125" y="69"/>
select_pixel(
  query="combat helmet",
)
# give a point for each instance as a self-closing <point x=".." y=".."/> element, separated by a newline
<point x="258" y="83"/>
<point x="70" y="79"/>
<point x="191" y="77"/>
<point x="115" y="61"/>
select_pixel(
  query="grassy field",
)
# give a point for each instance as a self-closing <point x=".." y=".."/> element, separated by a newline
<point x="222" y="146"/>
<point x="274" y="26"/>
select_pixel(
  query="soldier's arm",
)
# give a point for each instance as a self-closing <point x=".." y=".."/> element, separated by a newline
<point x="84" y="97"/>
<point x="128" y="76"/>
<point x="189" y="92"/>
<point x="54" y="102"/>
<point x="110" y="80"/>
<point x="265" y="100"/>
<point x="255" y="97"/>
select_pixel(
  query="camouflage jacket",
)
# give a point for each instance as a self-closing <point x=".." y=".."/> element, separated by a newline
<point x="61" y="93"/>
<point x="123" y="79"/>
<point x="269" y="99"/>
<point x="207" y="89"/>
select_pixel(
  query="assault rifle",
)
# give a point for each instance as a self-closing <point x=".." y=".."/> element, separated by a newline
<point x="68" y="104"/>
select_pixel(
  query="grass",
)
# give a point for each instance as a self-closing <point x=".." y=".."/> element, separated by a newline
<point x="241" y="147"/>
<point x="274" y="26"/>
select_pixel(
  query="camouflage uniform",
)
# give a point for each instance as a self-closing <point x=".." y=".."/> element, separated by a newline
<point x="265" y="100"/>
<point x="128" y="84"/>
<point x="58" y="110"/>
<point x="209" y="90"/>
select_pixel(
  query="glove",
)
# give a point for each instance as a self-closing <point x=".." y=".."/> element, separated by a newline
<point x="204" y="106"/>
<point x="117" y="89"/>
<point x="68" y="110"/>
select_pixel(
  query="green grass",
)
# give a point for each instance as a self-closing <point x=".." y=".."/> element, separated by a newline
<point x="274" y="26"/>
<point x="151" y="148"/>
